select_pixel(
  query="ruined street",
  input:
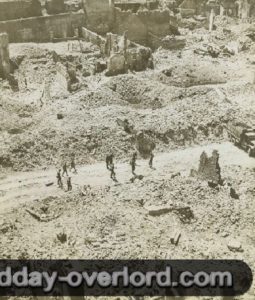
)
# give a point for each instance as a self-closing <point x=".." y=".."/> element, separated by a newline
<point x="19" y="188"/>
<point x="153" y="103"/>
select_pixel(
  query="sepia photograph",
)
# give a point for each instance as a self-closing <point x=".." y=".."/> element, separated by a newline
<point x="127" y="135"/>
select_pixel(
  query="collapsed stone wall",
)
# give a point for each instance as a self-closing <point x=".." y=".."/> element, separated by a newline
<point x="4" y="56"/>
<point x="121" y="54"/>
<point x="44" y="28"/>
<point x="94" y="38"/>
<point x="139" y="58"/>
<point x="135" y="59"/>
<point x="16" y="9"/>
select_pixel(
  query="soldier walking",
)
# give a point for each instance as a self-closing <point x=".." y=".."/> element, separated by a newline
<point x="64" y="169"/>
<point x="73" y="166"/>
<point x="109" y="161"/>
<point x="113" y="174"/>
<point x="151" y="160"/>
<point x="133" y="162"/>
<point x="59" y="179"/>
<point x="69" y="184"/>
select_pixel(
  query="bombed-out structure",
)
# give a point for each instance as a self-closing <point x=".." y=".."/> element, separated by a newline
<point x="132" y="28"/>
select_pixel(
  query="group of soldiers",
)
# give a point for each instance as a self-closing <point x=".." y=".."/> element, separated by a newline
<point x="110" y="164"/>
<point x="63" y="172"/>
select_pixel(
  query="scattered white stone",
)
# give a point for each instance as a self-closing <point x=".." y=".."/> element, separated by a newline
<point x="175" y="238"/>
<point x="235" y="246"/>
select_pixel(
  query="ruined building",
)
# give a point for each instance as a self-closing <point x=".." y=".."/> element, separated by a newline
<point x="28" y="21"/>
<point x="35" y="21"/>
<point x="54" y="7"/>
<point x="240" y="9"/>
<point x="99" y="15"/>
<point x="44" y="28"/>
<point x="120" y="53"/>
<point x="209" y="168"/>
<point x="16" y="9"/>
<point x="4" y="56"/>
<point x="144" y="25"/>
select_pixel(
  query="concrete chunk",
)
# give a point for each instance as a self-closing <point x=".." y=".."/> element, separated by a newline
<point x="235" y="246"/>
<point x="159" y="210"/>
<point x="175" y="238"/>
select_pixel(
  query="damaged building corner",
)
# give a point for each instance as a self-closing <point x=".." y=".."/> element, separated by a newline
<point x="209" y="168"/>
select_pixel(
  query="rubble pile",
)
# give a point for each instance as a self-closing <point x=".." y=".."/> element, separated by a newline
<point x="182" y="203"/>
<point x="96" y="95"/>
<point x="165" y="102"/>
<point x="168" y="124"/>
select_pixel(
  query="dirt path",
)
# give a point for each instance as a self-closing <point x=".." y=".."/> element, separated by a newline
<point x="18" y="188"/>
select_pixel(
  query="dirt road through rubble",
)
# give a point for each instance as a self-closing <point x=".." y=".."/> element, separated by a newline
<point x="18" y="188"/>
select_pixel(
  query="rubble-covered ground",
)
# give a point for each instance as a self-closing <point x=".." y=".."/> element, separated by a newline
<point x="182" y="105"/>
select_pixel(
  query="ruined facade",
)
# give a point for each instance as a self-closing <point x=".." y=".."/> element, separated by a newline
<point x="99" y="15"/>
<point x="31" y="21"/>
<point x="4" y="56"/>
<point x="209" y="168"/>
<point x="94" y="38"/>
<point x="16" y="9"/>
<point x="144" y="25"/>
<point x="43" y="29"/>
<point x="144" y="22"/>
